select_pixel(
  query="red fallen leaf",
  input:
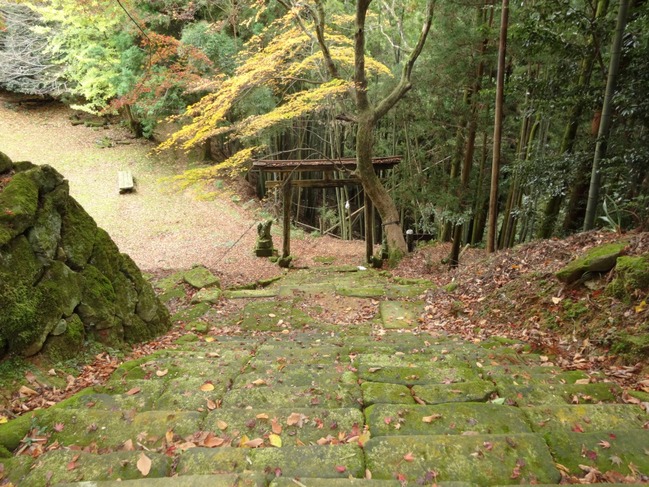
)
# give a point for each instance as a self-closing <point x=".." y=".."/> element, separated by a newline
<point x="604" y="444"/>
<point x="488" y="445"/>
<point x="58" y="427"/>
<point x="577" y="428"/>
<point x="387" y="420"/>
<point x="340" y="468"/>
<point x="409" y="457"/>
<point x="516" y="472"/>
<point x="591" y="455"/>
<point x="71" y="465"/>
<point x="401" y="477"/>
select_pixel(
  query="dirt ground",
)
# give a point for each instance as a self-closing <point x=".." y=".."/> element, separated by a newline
<point x="161" y="227"/>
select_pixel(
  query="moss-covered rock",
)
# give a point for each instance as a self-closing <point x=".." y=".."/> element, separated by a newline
<point x="200" y="277"/>
<point x="599" y="259"/>
<point x="631" y="277"/>
<point x="97" y="307"/>
<point x="5" y="163"/>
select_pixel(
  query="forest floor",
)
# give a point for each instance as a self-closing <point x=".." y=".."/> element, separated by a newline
<point x="543" y="347"/>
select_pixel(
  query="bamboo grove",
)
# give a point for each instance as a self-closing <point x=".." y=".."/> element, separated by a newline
<point x="241" y="80"/>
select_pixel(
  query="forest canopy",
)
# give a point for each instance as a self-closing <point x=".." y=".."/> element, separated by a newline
<point x="249" y="79"/>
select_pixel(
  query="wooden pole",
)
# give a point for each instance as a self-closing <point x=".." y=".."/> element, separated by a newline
<point x="286" y="198"/>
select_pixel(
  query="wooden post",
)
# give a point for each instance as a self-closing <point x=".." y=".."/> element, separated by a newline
<point x="369" y="228"/>
<point x="286" y="199"/>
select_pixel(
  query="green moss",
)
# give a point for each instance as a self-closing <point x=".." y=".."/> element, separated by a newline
<point x="12" y="433"/>
<point x="67" y="345"/>
<point x="632" y="276"/>
<point x="574" y="309"/>
<point x="78" y="231"/>
<point x="97" y="308"/>
<point x="105" y="255"/>
<point x="18" y="204"/>
<point x="200" y="277"/>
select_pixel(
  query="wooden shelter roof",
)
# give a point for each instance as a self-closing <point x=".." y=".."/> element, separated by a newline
<point x="322" y="164"/>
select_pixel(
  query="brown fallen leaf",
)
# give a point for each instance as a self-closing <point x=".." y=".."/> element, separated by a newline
<point x="222" y="425"/>
<point x="275" y="426"/>
<point x="128" y="445"/>
<point x="409" y="457"/>
<point x="256" y="443"/>
<point x="26" y="391"/>
<point x="161" y="373"/>
<point x="133" y="391"/>
<point x="144" y="465"/>
<point x="207" y="387"/>
<point x="431" y="418"/>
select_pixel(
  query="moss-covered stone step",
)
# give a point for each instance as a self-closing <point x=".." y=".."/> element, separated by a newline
<point x="471" y="391"/>
<point x="314" y="289"/>
<point x="400" y="314"/>
<point x="175" y="365"/>
<point x="598" y="259"/>
<point x="200" y="277"/>
<point x="314" y="482"/>
<point x="194" y="393"/>
<point x="479" y="459"/>
<point x="243" y="479"/>
<point x="297" y="375"/>
<point x="112" y="396"/>
<point x="540" y="394"/>
<point x="338" y="396"/>
<point x="361" y="291"/>
<point x="621" y="451"/>
<point x="82" y="427"/>
<point x="415" y="375"/>
<point x="293" y="426"/>
<point x="585" y="418"/>
<point x="340" y="461"/>
<point x="445" y="419"/>
<point x="273" y="316"/>
<point x="381" y="393"/>
<point x="304" y="355"/>
<point x="250" y="293"/>
<point x="518" y="375"/>
<point x="66" y="466"/>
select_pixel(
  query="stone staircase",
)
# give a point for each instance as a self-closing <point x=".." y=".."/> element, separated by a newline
<point x="288" y="400"/>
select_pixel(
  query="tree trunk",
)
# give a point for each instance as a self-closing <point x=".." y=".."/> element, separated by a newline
<point x="498" y="121"/>
<point x="607" y="108"/>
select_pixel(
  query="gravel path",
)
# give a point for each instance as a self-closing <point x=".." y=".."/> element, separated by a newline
<point x="160" y="227"/>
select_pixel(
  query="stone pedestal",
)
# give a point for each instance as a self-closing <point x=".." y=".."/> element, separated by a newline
<point x="264" y="247"/>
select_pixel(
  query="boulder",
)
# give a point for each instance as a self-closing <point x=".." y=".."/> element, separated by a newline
<point x="62" y="279"/>
<point x="598" y="259"/>
<point x="631" y="277"/>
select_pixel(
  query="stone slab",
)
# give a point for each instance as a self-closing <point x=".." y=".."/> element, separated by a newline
<point x="294" y="426"/>
<point x="445" y="419"/>
<point x="303" y="461"/>
<point x="200" y="277"/>
<point x="480" y="459"/>
<point x="471" y="391"/>
<point x="244" y="479"/>
<point x="621" y="451"/>
<point x="341" y="396"/>
<point x="381" y="392"/>
<point x="585" y="418"/>
<point x="415" y="375"/>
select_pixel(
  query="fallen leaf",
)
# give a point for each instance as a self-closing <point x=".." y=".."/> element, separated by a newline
<point x="275" y="440"/>
<point x="577" y="428"/>
<point x="556" y="300"/>
<point x="58" y="427"/>
<point x="161" y="373"/>
<point x="582" y="381"/>
<point x="133" y="391"/>
<point x="604" y="444"/>
<point x="296" y="419"/>
<point x="207" y="387"/>
<point x="374" y="369"/>
<point x="641" y="307"/>
<point x="615" y="460"/>
<point x="128" y="445"/>
<point x="3" y="419"/>
<point x="259" y="382"/>
<point x="340" y="468"/>
<point x="211" y="405"/>
<point x="222" y="425"/>
<point x="275" y="426"/>
<point x="26" y="391"/>
<point x="408" y="457"/>
<point x="144" y="465"/>
<point x="209" y="339"/>
<point x="262" y="416"/>
<point x="256" y="443"/>
<point x="431" y="418"/>
<point x="212" y="441"/>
